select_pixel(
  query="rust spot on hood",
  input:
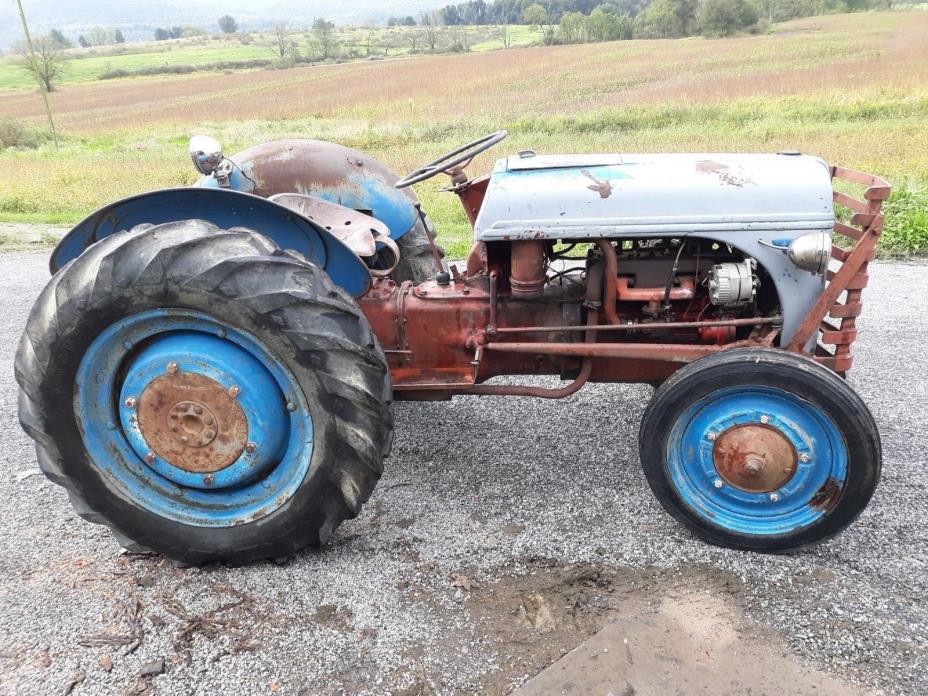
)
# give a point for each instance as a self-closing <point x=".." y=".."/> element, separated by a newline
<point x="723" y="172"/>
<point x="601" y="186"/>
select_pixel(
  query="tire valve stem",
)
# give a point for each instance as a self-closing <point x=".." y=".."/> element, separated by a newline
<point x="774" y="497"/>
<point x="234" y="391"/>
<point x="150" y="458"/>
<point x="131" y="402"/>
<point x="172" y="367"/>
<point x="250" y="447"/>
<point x="718" y="483"/>
<point x="208" y="479"/>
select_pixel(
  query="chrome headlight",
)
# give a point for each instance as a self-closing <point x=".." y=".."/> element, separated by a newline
<point x="206" y="154"/>
<point x="811" y="252"/>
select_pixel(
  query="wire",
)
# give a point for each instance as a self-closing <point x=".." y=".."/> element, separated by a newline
<point x="673" y="274"/>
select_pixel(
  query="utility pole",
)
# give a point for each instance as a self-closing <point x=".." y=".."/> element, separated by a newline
<point x="48" y="110"/>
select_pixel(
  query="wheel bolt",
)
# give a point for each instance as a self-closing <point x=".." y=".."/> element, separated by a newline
<point x="804" y="458"/>
<point x="149" y="458"/>
<point x="250" y="447"/>
<point x="712" y="437"/>
<point x="774" y="497"/>
<point x="765" y="419"/>
<point x="234" y="391"/>
<point x="208" y="479"/>
<point x="718" y="483"/>
<point x="172" y="367"/>
<point x="131" y="402"/>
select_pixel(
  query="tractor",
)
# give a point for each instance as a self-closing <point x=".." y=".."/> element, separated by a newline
<point x="211" y="370"/>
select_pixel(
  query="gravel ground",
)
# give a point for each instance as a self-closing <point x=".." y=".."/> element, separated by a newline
<point x="479" y="489"/>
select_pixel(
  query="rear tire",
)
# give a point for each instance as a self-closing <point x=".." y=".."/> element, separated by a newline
<point x="760" y="450"/>
<point x="193" y="282"/>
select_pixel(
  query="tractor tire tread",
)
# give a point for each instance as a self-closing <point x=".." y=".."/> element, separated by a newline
<point x="285" y="295"/>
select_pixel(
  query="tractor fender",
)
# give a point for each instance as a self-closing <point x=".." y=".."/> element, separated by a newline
<point x="329" y="171"/>
<point x="226" y="209"/>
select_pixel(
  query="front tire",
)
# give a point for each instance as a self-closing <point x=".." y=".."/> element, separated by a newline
<point x="205" y="394"/>
<point x="760" y="450"/>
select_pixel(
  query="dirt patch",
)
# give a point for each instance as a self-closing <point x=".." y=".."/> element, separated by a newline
<point x="535" y="617"/>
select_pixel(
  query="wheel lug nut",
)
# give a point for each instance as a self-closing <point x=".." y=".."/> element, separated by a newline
<point x="172" y="367"/>
<point x="765" y="419"/>
<point x="197" y="410"/>
<point x="208" y="420"/>
<point x="774" y="497"/>
<point x="131" y="402"/>
<point x="251" y="447"/>
<point x="149" y="458"/>
<point x="718" y="483"/>
<point x="183" y="438"/>
<point x="234" y="391"/>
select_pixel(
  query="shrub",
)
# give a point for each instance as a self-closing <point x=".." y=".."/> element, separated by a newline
<point x="186" y="68"/>
<point x="14" y="133"/>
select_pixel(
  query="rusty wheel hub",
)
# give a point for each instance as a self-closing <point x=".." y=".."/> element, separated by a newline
<point x="192" y="422"/>
<point x="755" y="458"/>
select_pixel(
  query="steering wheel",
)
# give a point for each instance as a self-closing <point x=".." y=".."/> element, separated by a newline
<point x="452" y="159"/>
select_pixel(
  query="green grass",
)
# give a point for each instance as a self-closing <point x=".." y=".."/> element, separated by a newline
<point x="89" y="68"/>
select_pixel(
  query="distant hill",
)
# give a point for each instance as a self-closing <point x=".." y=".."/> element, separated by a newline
<point x="138" y="18"/>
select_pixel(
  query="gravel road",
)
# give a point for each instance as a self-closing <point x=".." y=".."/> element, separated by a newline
<point x="489" y="508"/>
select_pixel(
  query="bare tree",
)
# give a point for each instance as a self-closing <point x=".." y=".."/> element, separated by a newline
<point x="413" y="37"/>
<point x="282" y="45"/>
<point x="45" y="63"/>
<point x="429" y="23"/>
<point x="506" y="37"/>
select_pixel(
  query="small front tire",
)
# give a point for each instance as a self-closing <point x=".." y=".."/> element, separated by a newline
<point x="760" y="450"/>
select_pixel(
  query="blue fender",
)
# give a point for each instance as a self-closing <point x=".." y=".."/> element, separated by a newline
<point x="329" y="171"/>
<point x="226" y="209"/>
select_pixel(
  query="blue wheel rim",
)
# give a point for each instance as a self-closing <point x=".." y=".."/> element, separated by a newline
<point x="820" y="461"/>
<point x="130" y="354"/>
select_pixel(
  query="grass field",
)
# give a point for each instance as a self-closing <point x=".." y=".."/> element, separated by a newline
<point x="87" y="65"/>
<point x="851" y="88"/>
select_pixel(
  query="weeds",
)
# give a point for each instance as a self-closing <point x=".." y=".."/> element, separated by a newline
<point x="906" y="231"/>
<point x="14" y="133"/>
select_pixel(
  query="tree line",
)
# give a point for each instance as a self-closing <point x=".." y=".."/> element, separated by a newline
<point x="569" y="21"/>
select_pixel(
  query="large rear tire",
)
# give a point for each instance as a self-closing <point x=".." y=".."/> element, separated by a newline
<point x="205" y="394"/>
<point x="760" y="450"/>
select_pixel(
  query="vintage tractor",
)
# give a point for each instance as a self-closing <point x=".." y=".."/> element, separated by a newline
<point x="211" y="370"/>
